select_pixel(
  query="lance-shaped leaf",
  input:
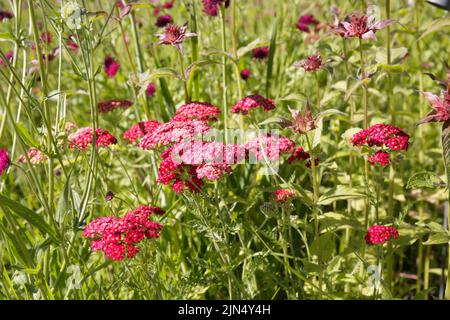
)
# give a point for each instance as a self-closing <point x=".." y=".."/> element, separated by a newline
<point x="424" y="180"/>
<point x="190" y="70"/>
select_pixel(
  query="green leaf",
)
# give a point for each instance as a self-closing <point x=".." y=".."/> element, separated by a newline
<point x="26" y="136"/>
<point x="424" y="180"/>
<point x="294" y="97"/>
<point x="190" y="70"/>
<point x="216" y="52"/>
<point x="5" y="36"/>
<point x="252" y="45"/>
<point x="352" y="89"/>
<point x="435" y="26"/>
<point x="446" y="147"/>
<point x="330" y="112"/>
<point x="64" y="202"/>
<point x="340" y="193"/>
<point x="270" y="62"/>
<point x="30" y="216"/>
<point x="164" y="72"/>
<point x="438" y="238"/>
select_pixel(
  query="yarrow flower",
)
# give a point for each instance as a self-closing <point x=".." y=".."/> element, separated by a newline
<point x="71" y="13"/>
<point x="111" y="66"/>
<point x="268" y="146"/>
<point x="118" y="237"/>
<point x="379" y="234"/>
<point x="254" y="101"/>
<point x="299" y="154"/>
<point x="82" y="138"/>
<point x="4" y="161"/>
<point x="110" y="105"/>
<point x="245" y="74"/>
<point x="35" y="155"/>
<point x="174" y="35"/>
<point x="360" y="26"/>
<point x="311" y="63"/>
<point x="211" y="7"/>
<point x="163" y="20"/>
<point x="284" y="195"/>
<point x="260" y="53"/>
<point x="386" y="137"/>
<point x="202" y="111"/>
<point x="304" y="23"/>
<point x="180" y="176"/>
<point x="140" y="129"/>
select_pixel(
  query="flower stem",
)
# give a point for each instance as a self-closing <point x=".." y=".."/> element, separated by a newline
<point x="447" y="286"/>
<point x="317" y="91"/>
<point x="224" y="75"/>
<point x="184" y="80"/>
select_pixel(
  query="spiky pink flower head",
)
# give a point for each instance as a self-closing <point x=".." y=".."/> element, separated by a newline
<point x="268" y="146"/>
<point x="202" y="111"/>
<point x="381" y="157"/>
<point x="211" y="7"/>
<point x="440" y="106"/>
<point x="118" y="237"/>
<point x="245" y="74"/>
<point x="35" y="155"/>
<point x="174" y="35"/>
<point x="284" y="195"/>
<point x="109" y="105"/>
<point x="46" y="37"/>
<point x="151" y="89"/>
<point x="360" y="26"/>
<point x="173" y="132"/>
<point x="111" y="66"/>
<point x="254" y="101"/>
<point x="304" y="23"/>
<point x="4" y="161"/>
<point x="382" y="135"/>
<point x="163" y="20"/>
<point x="5" y="15"/>
<point x="140" y="129"/>
<point x="260" y="53"/>
<point x="167" y="5"/>
<point x="9" y="56"/>
<point x="311" y="63"/>
<point x="82" y="138"/>
<point x="302" y="122"/>
<point x="299" y="154"/>
<point x="379" y="234"/>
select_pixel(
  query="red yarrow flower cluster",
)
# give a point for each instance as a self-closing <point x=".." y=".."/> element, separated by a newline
<point x="202" y="111"/>
<point x="5" y="161"/>
<point x="254" y="101"/>
<point x="268" y="146"/>
<point x="299" y="154"/>
<point x="82" y="138"/>
<point x="140" y="129"/>
<point x="379" y="234"/>
<point x="110" y="105"/>
<point x="151" y="89"/>
<point x="381" y="157"/>
<point x="284" y="195"/>
<point x="118" y="237"/>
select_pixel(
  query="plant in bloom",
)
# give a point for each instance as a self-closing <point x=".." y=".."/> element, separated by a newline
<point x="4" y="161"/>
<point x="440" y="106"/>
<point x="311" y="63"/>
<point x="245" y="74"/>
<point x="163" y="20"/>
<point x="35" y="155"/>
<point x="284" y="195"/>
<point x="9" y="56"/>
<point x="202" y="111"/>
<point x="5" y="15"/>
<point x="301" y="123"/>
<point x="151" y="89"/>
<point x="305" y="22"/>
<point x="379" y="234"/>
<point x="385" y="137"/>
<point x="299" y="154"/>
<point x="268" y="146"/>
<point x="118" y="237"/>
<point x="211" y="7"/>
<point x="140" y="129"/>
<point x="110" y="105"/>
<point x="260" y="53"/>
<point x="82" y="138"/>
<point x="111" y="66"/>
<point x="360" y="26"/>
<point x="174" y="35"/>
<point x="254" y="101"/>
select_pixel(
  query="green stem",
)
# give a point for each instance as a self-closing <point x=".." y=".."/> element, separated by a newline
<point x="447" y="286"/>
<point x="317" y="91"/>
<point x="184" y="80"/>
<point x="224" y="75"/>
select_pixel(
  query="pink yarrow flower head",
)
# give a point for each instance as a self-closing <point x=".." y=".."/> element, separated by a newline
<point x="163" y="20"/>
<point x="284" y="195"/>
<point x="304" y="23"/>
<point x="299" y="154"/>
<point x="311" y="63"/>
<point x="245" y="74"/>
<point x="82" y="138"/>
<point x="111" y="66"/>
<point x="211" y="7"/>
<point x="140" y="129"/>
<point x="202" y="111"/>
<point x="118" y="237"/>
<point x="151" y="89"/>
<point x="5" y="161"/>
<point x="254" y="101"/>
<point x="35" y="155"/>
<point x="112" y="104"/>
<point x="174" y="35"/>
<point x="180" y="176"/>
<point x="360" y="26"/>
<point x="268" y="147"/>
<point x="260" y="53"/>
<point x="379" y="234"/>
<point x="380" y="157"/>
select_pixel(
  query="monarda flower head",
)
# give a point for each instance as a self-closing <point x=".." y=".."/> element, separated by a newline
<point x="378" y="234"/>
<point x="254" y="101"/>
<point x="140" y="129"/>
<point x="311" y="63"/>
<point x="163" y="20"/>
<point x="360" y="26"/>
<point x="4" y="161"/>
<point x="118" y="237"/>
<point x="211" y="7"/>
<point x="82" y="138"/>
<point x="202" y="111"/>
<point x="301" y="123"/>
<point x="260" y="53"/>
<point x="110" y="105"/>
<point x="304" y="23"/>
<point x="35" y="155"/>
<point x="111" y="66"/>
<point x="174" y="35"/>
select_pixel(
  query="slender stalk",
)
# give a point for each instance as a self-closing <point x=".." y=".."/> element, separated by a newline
<point x="184" y="80"/>
<point x="447" y="286"/>
<point x="224" y="75"/>
<point x="316" y="76"/>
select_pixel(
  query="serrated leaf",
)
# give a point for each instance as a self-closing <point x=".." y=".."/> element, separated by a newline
<point x="424" y="180"/>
